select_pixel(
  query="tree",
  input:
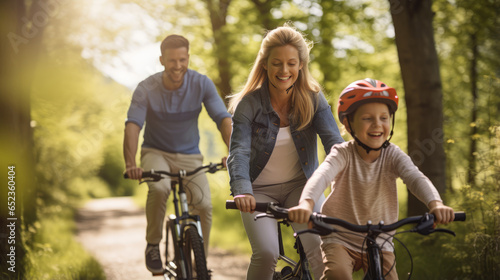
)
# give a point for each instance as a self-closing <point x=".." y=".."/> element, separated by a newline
<point x="468" y="38"/>
<point x="23" y="27"/>
<point x="423" y="91"/>
<point x="218" y="10"/>
<point x="265" y="16"/>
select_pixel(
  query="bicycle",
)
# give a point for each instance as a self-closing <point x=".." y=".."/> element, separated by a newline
<point x="424" y="226"/>
<point x="184" y="237"/>
<point x="293" y="270"/>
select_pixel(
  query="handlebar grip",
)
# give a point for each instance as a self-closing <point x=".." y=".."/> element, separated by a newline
<point x="459" y="216"/>
<point x="260" y="206"/>
<point x="230" y="204"/>
<point x="145" y="174"/>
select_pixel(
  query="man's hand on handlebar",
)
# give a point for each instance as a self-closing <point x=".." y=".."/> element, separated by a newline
<point x="245" y="202"/>
<point x="134" y="172"/>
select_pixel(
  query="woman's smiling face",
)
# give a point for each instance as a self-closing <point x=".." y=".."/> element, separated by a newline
<point x="283" y="66"/>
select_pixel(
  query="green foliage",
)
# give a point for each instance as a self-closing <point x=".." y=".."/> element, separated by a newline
<point x="111" y="170"/>
<point x="78" y="114"/>
<point x="76" y="128"/>
<point x="55" y="254"/>
<point x="468" y="33"/>
<point x="478" y="248"/>
<point x="227" y="228"/>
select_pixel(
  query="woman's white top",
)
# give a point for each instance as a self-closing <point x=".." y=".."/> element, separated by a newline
<point x="283" y="165"/>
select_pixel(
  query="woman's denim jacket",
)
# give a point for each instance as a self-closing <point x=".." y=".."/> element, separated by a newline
<point x="255" y="128"/>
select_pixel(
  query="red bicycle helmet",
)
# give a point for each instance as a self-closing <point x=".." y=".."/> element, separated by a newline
<point x="365" y="91"/>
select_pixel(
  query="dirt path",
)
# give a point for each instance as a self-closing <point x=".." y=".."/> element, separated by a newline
<point x="113" y="229"/>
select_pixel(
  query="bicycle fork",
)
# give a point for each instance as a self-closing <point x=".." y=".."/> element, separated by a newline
<point x="195" y="220"/>
<point x="182" y="220"/>
<point x="373" y="255"/>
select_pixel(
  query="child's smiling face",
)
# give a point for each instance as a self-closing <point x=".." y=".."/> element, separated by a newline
<point x="371" y="124"/>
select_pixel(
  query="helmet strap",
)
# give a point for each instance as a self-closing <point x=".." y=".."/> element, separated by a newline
<point x="366" y="147"/>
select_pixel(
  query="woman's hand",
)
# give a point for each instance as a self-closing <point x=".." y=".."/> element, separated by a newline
<point x="444" y="214"/>
<point x="302" y="212"/>
<point x="245" y="202"/>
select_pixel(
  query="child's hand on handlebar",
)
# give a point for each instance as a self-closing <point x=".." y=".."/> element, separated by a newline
<point x="245" y="202"/>
<point x="302" y="212"/>
<point x="444" y="214"/>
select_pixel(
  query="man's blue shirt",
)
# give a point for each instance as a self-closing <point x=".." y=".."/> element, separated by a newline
<point x="171" y="116"/>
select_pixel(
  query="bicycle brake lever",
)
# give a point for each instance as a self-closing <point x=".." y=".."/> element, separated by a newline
<point x="153" y="177"/>
<point x="425" y="226"/>
<point x="148" y="180"/>
<point x="445" y="231"/>
<point x="213" y="168"/>
<point x="311" y="230"/>
<point x="263" y="215"/>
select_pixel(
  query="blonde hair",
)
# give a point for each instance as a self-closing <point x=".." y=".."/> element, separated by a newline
<point x="306" y="88"/>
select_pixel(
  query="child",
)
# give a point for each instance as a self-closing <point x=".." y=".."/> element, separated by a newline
<point x="364" y="173"/>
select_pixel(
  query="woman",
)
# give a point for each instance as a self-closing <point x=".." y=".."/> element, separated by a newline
<point x="273" y="148"/>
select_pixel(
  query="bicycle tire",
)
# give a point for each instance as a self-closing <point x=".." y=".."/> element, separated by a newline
<point x="194" y="253"/>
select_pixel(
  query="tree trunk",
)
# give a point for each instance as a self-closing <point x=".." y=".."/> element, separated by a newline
<point x="423" y="92"/>
<point x="325" y="48"/>
<point x="218" y="13"/>
<point x="22" y="33"/>
<point x="471" y="176"/>
<point x="265" y="17"/>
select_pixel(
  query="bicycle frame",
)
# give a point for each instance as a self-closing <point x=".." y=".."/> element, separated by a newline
<point x="299" y="270"/>
<point x="185" y="240"/>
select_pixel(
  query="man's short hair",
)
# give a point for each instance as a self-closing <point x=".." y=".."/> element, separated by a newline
<point x="174" y="42"/>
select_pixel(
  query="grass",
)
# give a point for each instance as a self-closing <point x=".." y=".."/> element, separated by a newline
<point x="55" y="254"/>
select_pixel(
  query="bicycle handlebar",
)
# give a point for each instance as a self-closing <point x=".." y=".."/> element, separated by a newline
<point x="156" y="175"/>
<point x="425" y="223"/>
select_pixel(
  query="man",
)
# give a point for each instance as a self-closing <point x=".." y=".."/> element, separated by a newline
<point x="170" y="103"/>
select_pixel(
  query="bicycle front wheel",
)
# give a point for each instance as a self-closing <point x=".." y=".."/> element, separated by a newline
<point x="172" y="252"/>
<point x="195" y="255"/>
